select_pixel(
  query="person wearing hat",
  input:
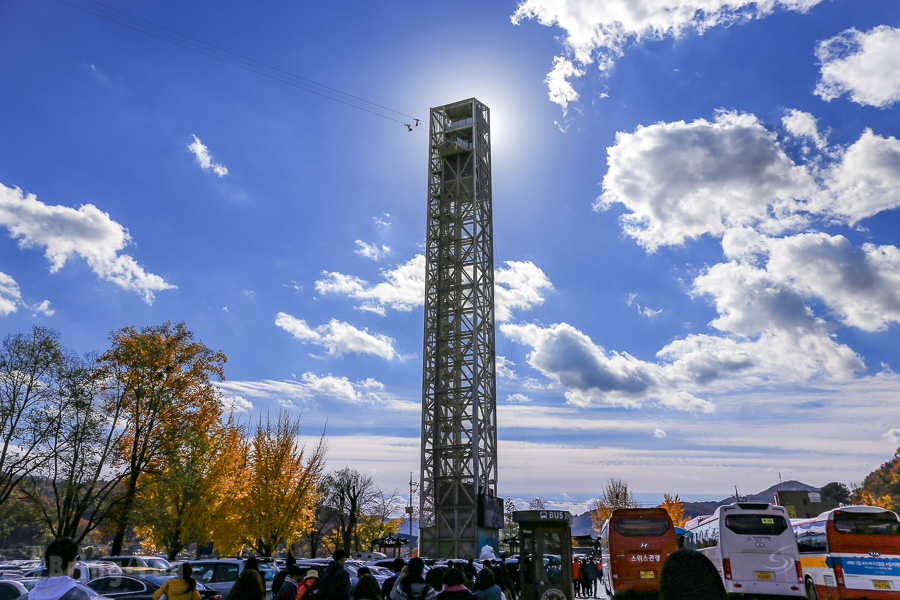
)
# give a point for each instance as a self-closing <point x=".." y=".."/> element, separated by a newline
<point x="308" y="581"/>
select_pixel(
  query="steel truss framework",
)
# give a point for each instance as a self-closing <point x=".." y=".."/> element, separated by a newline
<point x="459" y="419"/>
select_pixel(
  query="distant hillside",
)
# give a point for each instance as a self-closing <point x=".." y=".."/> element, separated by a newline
<point x="581" y="524"/>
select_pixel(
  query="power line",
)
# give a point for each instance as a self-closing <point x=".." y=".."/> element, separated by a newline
<point x="187" y="42"/>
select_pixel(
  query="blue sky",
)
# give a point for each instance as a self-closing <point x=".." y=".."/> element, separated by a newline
<point x="695" y="210"/>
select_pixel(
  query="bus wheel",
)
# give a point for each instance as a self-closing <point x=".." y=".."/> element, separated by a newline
<point x="811" y="590"/>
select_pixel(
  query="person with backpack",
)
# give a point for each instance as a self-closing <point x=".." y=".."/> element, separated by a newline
<point x="183" y="587"/>
<point x="289" y="587"/>
<point x="309" y="580"/>
<point x="388" y="585"/>
<point x="412" y="585"/>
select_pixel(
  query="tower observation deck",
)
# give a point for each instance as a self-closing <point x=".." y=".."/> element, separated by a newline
<point x="459" y="507"/>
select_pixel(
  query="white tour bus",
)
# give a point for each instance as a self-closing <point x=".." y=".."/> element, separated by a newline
<point x="753" y="547"/>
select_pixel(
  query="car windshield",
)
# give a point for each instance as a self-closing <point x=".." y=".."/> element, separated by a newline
<point x="882" y="523"/>
<point x="158" y="563"/>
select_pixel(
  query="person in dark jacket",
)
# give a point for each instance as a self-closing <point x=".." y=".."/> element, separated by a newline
<point x="249" y="584"/>
<point x="61" y="558"/>
<point x="688" y="575"/>
<point x="335" y="582"/>
<point x="388" y="584"/>
<point x="412" y="585"/>
<point x="288" y="589"/>
<point x="455" y="587"/>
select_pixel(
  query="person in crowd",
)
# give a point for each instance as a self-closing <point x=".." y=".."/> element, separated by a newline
<point x="309" y="580"/>
<point x="586" y="589"/>
<point x="486" y="587"/>
<point x="593" y="574"/>
<point x="289" y="587"/>
<point x="411" y="585"/>
<point x="249" y="584"/>
<point x="435" y="578"/>
<point x="501" y="576"/>
<point x="688" y="575"/>
<point x="335" y="582"/>
<point x="61" y="557"/>
<point x="455" y="586"/>
<point x="182" y="587"/>
<point x="388" y="583"/>
<point x="367" y="587"/>
<point x="470" y="569"/>
<point x="576" y="576"/>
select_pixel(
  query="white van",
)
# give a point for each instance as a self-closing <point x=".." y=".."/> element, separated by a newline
<point x="753" y="547"/>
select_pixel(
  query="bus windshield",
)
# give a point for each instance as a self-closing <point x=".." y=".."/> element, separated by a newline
<point x="640" y="527"/>
<point x="882" y="523"/>
<point x="756" y="524"/>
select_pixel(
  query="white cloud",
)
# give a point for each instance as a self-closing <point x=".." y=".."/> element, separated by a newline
<point x="10" y="295"/>
<point x="589" y="374"/>
<point x="802" y="124"/>
<point x="863" y="182"/>
<point x="385" y="220"/>
<point x="505" y="368"/>
<point x="87" y="232"/>
<point x="683" y="180"/>
<point x="863" y="65"/>
<point x="337" y="337"/>
<point x="518" y="399"/>
<point x="201" y="153"/>
<point x="644" y="311"/>
<point x="403" y="288"/>
<point x="687" y="402"/>
<point x="560" y="88"/>
<point x="598" y="31"/>
<point x="309" y="387"/>
<point x="373" y="251"/>
<point x="659" y="433"/>
<point x="518" y="286"/>
<point x="237" y="404"/>
<point x="892" y="436"/>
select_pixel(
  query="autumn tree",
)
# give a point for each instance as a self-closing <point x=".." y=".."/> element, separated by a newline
<point x="75" y="488"/>
<point x="161" y="378"/>
<point x="675" y="508"/>
<point x="196" y="493"/>
<point x="881" y="487"/>
<point x="615" y="494"/>
<point x="29" y="374"/>
<point x="315" y="534"/>
<point x="282" y="484"/>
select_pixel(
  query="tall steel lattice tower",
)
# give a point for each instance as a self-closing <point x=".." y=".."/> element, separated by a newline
<point x="458" y="501"/>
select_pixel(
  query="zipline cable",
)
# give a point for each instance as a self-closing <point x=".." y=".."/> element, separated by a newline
<point x="118" y="20"/>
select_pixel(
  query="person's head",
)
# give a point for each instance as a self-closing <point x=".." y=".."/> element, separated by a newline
<point x="290" y="559"/>
<point x="363" y="570"/>
<point x="61" y="556"/>
<point x="311" y="574"/>
<point x="252" y="564"/>
<point x="186" y="572"/>
<point x="688" y="575"/>
<point x="398" y="565"/>
<point x="367" y="588"/>
<point x="485" y="579"/>
<point x="435" y="578"/>
<point x="339" y="556"/>
<point x="294" y="572"/>
<point x="415" y="567"/>
<point x="454" y="577"/>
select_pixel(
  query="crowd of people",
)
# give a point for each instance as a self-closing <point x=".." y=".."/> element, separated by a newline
<point x="686" y="575"/>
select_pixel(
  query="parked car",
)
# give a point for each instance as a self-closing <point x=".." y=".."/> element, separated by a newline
<point x="10" y="589"/>
<point x="219" y="573"/>
<point x="84" y="571"/>
<point x="131" y="586"/>
<point x="139" y="563"/>
<point x="30" y="582"/>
